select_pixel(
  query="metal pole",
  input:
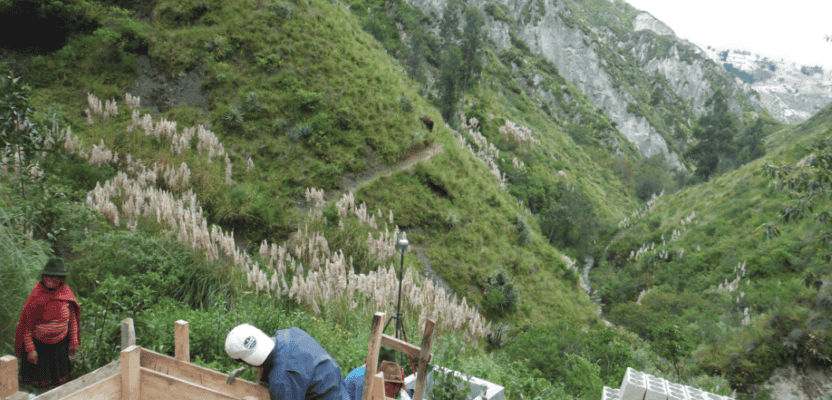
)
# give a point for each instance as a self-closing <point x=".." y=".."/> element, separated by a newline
<point x="399" y="302"/>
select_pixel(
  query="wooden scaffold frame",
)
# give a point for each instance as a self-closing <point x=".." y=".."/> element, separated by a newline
<point x="374" y="380"/>
<point x="143" y="374"/>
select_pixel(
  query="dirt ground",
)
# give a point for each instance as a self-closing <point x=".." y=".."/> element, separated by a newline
<point x="789" y="383"/>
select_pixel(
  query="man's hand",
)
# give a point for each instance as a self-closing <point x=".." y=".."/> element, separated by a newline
<point x="32" y="357"/>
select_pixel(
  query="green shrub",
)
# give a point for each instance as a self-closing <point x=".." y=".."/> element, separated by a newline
<point x="218" y="48"/>
<point x="502" y="297"/>
<point x="405" y="104"/>
<point x="306" y="100"/>
<point x="267" y="62"/>
<point x="493" y="302"/>
<point x="524" y="231"/>
<point x="20" y="261"/>
<point x="282" y="10"/>
<point x="450" y="386"/>
<point x="452" y="219"/>
<point x="252" y="103"/>
<point x="234" y="117"/>
<point x="300" y="133"/>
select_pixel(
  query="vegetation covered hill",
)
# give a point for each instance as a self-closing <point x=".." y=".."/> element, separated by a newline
<point x="739" y="263"/>
<point x="209" y="193"/>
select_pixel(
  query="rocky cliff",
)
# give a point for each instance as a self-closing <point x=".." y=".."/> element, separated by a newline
<point x="628" y="63"/>
<point x="791" y="92"/>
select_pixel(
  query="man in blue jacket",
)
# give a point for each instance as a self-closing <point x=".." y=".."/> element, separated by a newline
<point x="292" y="364"/>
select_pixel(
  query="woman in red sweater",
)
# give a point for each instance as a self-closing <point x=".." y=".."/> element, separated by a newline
<point x="47" y="333"/>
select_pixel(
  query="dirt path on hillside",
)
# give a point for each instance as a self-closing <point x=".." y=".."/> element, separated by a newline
<point x="353" y="181"/>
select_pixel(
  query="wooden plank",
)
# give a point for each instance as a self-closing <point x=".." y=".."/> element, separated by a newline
<point x="8" y="376"/>
<point x="18" y="396"/>
<point x="130" y="361"/>
<point x="400" y="345"/>
<point x="128" y="333"/>
<point x="372" y="354"/>
<point x="182" y="341"/>
<point x="83" y="382"/>
<point x="107" y="389"/>
<point x="156" y="385"/>
<point x="378" y="387"/>
<point x="201" y="376"/>
<point x="421" y="377"/>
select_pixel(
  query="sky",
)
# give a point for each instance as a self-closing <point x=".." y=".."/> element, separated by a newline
<point x="789" y="29"/>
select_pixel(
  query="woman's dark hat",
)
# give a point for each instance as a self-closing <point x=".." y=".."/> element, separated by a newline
<point x="55" y="267"/>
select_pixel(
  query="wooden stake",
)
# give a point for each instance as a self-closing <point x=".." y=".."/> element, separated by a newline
<point x="378" y="387"/>
<point x="182" y="341"/>
<point x="372" y="355"/>
<point x="8" y="376"/>
<point x="128" y="333"/>
<point x="424" y="357"/>
<point x="130" y="364"/>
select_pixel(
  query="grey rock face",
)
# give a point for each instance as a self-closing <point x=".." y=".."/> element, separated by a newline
<point x="792" y="93"/>
<point x="576" y="56"/>
<point x="645" y="21"/>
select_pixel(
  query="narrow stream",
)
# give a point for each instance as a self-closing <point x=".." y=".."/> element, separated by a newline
<point x="589" y="261"/>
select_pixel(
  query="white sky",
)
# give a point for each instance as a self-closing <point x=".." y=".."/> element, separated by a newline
<point x="790" y="29"/>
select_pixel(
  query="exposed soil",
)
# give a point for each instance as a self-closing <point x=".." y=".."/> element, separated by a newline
<point x="160" y="94"/>
<point x="352" y="181"/>
<point x="789" y="383"/>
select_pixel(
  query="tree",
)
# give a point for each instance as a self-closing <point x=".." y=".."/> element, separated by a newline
<point x="673" y="345"/>
<point x="750" y="145"/>
<point x="716" y="148"/>
<point x="449" y="82"/>
<point x="449" y="26"/>
<point x="473" y="38"/>
<point x="452" y="63"/>
<point x="416" y="54"/>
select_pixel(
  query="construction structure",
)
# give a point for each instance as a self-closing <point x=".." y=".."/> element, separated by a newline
<point x="143" y="374"/>
<point x="638" y="385"/>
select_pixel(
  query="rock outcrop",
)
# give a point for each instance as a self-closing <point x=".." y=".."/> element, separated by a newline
<point x="645" y="21"/>
<point x="582" y="54"/>
<point x="792" y="93"/>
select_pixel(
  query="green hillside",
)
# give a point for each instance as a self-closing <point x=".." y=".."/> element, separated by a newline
<point x="248" y="109"/>
<point x="709" y="259"/>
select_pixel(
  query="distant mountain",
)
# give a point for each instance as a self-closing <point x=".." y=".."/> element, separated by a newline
<point x="791" y="92"/>
<point x="629" y="64"/>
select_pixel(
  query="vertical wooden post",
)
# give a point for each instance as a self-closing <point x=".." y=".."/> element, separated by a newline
<point x="182" y="341"/>
<point x="128" y="333"/>
<point x="378" y="387"/>
<point x="372" y="355"/>
<point x="424" y="357"/>
<point x="130" y="362"/>
<point x="8" y="376"/>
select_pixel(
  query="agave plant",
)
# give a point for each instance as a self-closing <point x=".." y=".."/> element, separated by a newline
<point x="252" y="103"/>
<point x="234" y="117"/>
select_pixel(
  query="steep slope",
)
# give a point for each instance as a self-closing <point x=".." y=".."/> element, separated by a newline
<point x="650" y="83"/>
<point x="704" y="258"/>
<point x="792" y="93"/>
<point x="309" y="98"/>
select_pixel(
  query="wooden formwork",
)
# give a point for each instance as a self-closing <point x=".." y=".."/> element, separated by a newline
<point x="373" y="381"/>
<point x="143" y="374"/>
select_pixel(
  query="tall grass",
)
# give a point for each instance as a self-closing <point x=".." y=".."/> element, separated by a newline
<point x="321" y="278"/>
<point x="20" y="260"/>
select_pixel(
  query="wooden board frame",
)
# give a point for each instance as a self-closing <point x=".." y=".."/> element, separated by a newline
<point x="142" y="374"/>
<point x="373" y="387"/>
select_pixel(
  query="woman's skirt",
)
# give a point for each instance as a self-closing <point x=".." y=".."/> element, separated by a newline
<point x="53" y="367"/>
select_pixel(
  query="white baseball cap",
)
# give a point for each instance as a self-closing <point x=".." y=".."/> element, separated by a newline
<point x="248" y="343"/>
